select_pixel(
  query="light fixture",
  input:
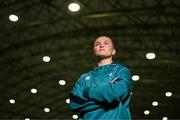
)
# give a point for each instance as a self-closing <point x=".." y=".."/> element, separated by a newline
<point x="168" y="94"/>
<point x="146" y="112"/>
<point x="27" y="119"/>
<point x="150" y="56"/>
<point x="62" y="82"/>
<point x="155" y="103"/>
<point x="74" y="7"/>
<point x="67" y="101"/>
<point x="33" y="90"/>
<point x="135" y="77"/>
<point x="46" y="110"/>
<point x="12" y="101"/>
<point x="46" y="58"/>
<point x="165" y="118"/>
<point x="13" y="18"/>
<point x="75" y="116"/>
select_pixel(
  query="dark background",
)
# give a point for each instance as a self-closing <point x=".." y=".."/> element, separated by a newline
<point x="48" y="28"/>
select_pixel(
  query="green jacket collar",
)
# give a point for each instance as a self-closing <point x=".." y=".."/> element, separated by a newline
<point x="105" y="66"/>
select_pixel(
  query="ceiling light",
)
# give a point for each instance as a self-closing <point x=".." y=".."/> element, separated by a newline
<point x="168" y="94"/>
<point x="13" y="18"/>
<point x="62" y="82"/>
<point x="164" y="118"/>
<point x="12" y="101"/>
<point x="74" y="7"/>
<point x="135" y="77"/>
<point x="75" y="116"/>
<point x="155" y="103"/>
<point x="46" y="110"/>
<point x="27" y="119"/>
<point x="33" y="90"/>
<point x="46" y="58"/>
<point x="146" y="112"/>
<point x="67" y="101"/>
<point x="150" y="56"/>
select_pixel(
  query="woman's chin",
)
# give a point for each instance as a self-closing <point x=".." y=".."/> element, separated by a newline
<point x="102" y="56"/>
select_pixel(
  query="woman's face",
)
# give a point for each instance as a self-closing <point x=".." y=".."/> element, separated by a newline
<point x="103" y="47"/>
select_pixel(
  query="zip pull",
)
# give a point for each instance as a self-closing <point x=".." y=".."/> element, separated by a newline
<point x="113" y="81"/>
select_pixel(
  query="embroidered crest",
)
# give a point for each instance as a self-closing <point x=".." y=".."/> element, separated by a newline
<point x="87" y="78"/>
<point x="110" y="74"/>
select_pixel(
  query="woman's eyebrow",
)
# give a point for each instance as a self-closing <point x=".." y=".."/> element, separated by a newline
<point x="106" y="41"/>
<point x="96" y="42"/>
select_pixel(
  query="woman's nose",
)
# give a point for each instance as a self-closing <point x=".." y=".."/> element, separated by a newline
<point x="101" y="45"/>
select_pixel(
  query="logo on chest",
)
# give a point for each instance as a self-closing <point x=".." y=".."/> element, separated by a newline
<point x="87" y="78"/>
<point x="110" y="74"/>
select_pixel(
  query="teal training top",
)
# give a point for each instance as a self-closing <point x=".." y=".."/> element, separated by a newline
<point x="103" y="93"/>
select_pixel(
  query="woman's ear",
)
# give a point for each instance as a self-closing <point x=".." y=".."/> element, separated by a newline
<point x="114" y="52"/>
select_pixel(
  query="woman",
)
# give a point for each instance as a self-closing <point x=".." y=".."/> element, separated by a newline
<point x="104" y="92"/>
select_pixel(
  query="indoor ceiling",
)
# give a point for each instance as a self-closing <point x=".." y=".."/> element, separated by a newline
<point x="48" y="28"/>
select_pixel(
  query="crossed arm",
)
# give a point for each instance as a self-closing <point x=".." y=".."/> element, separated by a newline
<point x="85" y="99"/>
<point x="78" y="102"/>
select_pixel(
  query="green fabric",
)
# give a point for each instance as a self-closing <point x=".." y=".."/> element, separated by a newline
<point x="103" y="93"/>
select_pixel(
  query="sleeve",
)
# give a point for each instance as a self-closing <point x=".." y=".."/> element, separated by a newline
<point x="78" y="102"/>
<point x="118" y="90"/>
<point x="80" y="105"/>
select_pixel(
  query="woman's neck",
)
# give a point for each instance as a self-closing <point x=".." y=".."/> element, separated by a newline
<point x="105" y="61"/>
